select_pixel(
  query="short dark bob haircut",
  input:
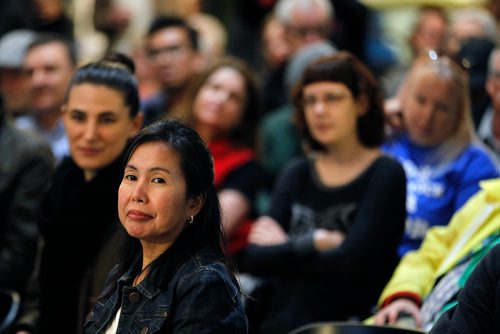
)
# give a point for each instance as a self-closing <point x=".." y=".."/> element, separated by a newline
<point x="345" y="68"/>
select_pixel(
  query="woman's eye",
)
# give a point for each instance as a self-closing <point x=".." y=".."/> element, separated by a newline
<point x="309" y="101"/>
<point x="130" y="177"/>
<point x="78" y="117"/>
<point x="330" y="98"/>
<point x="108" y="120"/>
<point x="158" y="180"/>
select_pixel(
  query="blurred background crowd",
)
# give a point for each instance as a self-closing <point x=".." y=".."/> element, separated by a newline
<point x="234" y="71"/>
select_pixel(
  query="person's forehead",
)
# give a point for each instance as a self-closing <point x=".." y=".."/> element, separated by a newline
<point x="170" y="33"/>
<point x="55" y="49"/>
<point x="310" y="14"/>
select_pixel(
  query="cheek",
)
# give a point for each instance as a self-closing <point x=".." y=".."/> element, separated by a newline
<point x="72" y="131"/>
<point x="122" y="202"/>
<point x="234" y="114"/>
<point x="198" y="104"/>
<point x="448" y="122"/>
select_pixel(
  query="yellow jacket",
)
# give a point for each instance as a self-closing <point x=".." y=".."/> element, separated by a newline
<point x="444" y="246"/>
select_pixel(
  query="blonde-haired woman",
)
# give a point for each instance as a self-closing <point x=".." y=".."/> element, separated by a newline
<point x="443" y="160"/>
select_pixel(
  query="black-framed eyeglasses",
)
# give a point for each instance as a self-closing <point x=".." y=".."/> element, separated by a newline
<point x="171" y="51"/>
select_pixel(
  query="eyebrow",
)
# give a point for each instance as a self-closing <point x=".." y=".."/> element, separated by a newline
<point x="154" y="169"/>
<point x="100" y="114"/>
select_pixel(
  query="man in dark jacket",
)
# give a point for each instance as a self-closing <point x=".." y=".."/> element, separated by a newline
<point x="26" y="165"/>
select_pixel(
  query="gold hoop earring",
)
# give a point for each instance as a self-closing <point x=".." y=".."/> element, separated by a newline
<point x="190" y="220"/>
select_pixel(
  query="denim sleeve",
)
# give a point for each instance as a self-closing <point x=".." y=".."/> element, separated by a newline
<point x="208" y="302"/>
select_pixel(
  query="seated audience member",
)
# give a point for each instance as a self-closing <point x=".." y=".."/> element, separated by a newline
<point x="223" y="106"/>
<point x="304" y="22"/>
<point x="437" y="146"/>
<point x="79" y="212"/>
<point x="489" y="128"/>
<point x="473" y="56"/>
<point x="13" y="81"/>
<point x="428" y="33"/>
<point x="478" y="307"/>
<point x="173" y="49"/>
<point x="49" y="64"/>
<point x="26" y="165"/>
<point x="328" y="244"/>
<point x="426" y="280"/>
<point x="275" y="54"/>
<point x="466" y="23"/>
<point x="172" y="276"/>
<point x="279" y="139"/>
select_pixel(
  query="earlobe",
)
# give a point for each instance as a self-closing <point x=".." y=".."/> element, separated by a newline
<point x="196" y="204"/>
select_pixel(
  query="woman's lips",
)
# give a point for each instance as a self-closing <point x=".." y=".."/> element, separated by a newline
<point x="138" y="215"/>
<point x="89" y="150"/>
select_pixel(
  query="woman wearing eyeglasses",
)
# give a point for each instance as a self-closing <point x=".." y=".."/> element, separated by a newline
<point x="328" y="244"/>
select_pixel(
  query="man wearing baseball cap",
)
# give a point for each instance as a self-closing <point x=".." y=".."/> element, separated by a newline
<point x="13" y="81"/>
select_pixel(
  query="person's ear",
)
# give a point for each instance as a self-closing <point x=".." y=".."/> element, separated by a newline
<point x="196" y="204"/>
<point x="137" y="123"/>
<point x="490" y="89"/>
<point x="362" y="105"/>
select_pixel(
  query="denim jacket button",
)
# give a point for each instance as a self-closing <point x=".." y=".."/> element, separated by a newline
<point x="134" y="298"/>
<point x="144" y="330"/>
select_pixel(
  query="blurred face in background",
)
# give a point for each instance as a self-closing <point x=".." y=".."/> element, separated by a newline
<point x="307" y="25"/>
<point x="431" y="113"/>
<point x="174" y="59"/>
<point x="430" y="32"/>
<point x="98" y="125"/>
<point x="276" y="47"/>
<point x="493" y="82"/>
<point x="331" y="113"/>
<point x="49" y="70"/>
<point x="15" y="90"/>
<point x="221" y="100"/>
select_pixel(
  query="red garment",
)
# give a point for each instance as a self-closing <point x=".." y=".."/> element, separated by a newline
<point x="227" y="159"/>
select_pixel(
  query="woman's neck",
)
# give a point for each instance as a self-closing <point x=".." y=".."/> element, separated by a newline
<point x="338" y="166"/>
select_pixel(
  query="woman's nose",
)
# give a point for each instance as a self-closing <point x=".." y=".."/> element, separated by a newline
<point x="139" y="193"/>
<point x="90" y="130"/>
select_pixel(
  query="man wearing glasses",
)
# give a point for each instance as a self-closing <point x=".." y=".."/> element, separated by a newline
<point x="305" y="21"/>
<point x="172" y="47"/>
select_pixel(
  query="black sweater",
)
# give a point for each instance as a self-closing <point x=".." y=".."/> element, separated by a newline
<point x="341" y="283"/>
<point x="77" y="218"/>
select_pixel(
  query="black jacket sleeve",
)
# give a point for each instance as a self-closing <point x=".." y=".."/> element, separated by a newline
<point x="478" y="308"/>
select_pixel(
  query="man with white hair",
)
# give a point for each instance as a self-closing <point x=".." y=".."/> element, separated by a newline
<point x="305" y="21"/>
<point x="470" y="23"/>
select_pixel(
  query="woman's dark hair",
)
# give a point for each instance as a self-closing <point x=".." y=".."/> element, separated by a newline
<point x="115" y="71"/>
<point x="243" y="134"/>
<point x="198" y="170"/>
<point x="345" y="68"/>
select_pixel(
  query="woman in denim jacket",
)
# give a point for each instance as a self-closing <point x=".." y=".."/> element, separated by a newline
<point x="172" y="275"/>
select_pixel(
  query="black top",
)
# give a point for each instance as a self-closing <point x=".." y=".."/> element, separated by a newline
<point x="343" y="282"/>
<point x="77" y="218"/>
